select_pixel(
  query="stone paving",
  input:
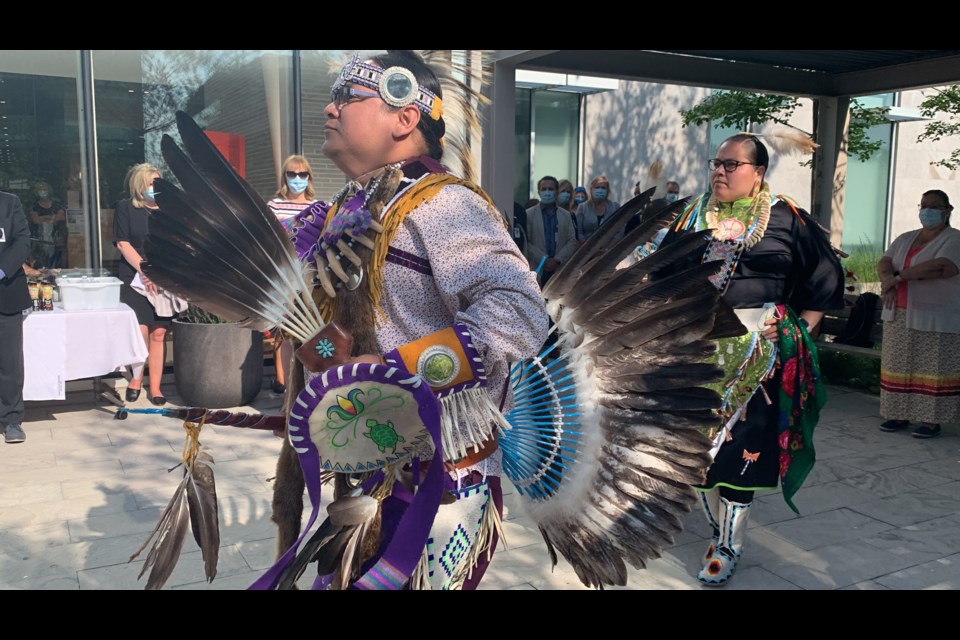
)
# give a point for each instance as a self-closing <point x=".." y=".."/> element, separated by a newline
<point x="879" y="511"/>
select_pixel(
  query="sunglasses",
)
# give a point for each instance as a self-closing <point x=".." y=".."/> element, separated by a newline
<point x="298" y="174"/>
<point x="345" y="95"/>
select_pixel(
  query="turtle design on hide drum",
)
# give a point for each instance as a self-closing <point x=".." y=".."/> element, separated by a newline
<point x="383" y="435"/>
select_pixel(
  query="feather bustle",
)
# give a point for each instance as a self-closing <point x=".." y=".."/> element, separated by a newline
<point x="601" y="318"/>
<point x="568" y="275"/>
<point x="602" y="268"/>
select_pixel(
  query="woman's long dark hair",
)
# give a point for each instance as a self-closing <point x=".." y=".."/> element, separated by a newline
<point x="757" y="149"/>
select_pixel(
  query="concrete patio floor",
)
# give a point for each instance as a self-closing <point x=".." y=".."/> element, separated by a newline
<point x="879" y="511"/>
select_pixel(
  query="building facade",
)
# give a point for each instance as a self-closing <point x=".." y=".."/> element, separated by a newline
<point x="633" y="132"/>
<point x="74" y="122"/>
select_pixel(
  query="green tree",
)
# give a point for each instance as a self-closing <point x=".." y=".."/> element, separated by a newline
<point x="945" y="102"/>
<point x="743" y="109"/>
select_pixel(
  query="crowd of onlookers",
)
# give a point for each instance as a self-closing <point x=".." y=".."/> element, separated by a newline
<point x="549" y="228"/>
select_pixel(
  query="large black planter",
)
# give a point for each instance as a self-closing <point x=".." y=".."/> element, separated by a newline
<point x="217" y="365"/>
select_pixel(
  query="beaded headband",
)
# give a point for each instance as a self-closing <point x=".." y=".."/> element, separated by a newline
<point x="397" y="86"/>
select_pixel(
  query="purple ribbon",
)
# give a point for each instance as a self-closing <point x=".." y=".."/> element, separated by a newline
<point x="307" y="229"/>
<point x="401" y="556"/>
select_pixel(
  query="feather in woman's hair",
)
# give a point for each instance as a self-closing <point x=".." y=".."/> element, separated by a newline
<point x="787" y="140"/>
<point x="654" y="172"/>
<point x="217" y="244"/>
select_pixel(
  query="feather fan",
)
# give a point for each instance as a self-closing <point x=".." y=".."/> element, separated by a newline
<point x="608" y="429"/>
<point x="221" y="247"/>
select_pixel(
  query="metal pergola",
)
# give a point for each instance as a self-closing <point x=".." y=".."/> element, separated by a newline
<point x="830" y="77"/>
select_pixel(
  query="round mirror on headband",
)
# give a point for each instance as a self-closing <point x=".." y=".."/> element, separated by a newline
<point x="398" y="86"/>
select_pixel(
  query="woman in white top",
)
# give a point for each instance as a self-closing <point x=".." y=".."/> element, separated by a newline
<point x="294" y="195"/>
<point x="920" y="366"/>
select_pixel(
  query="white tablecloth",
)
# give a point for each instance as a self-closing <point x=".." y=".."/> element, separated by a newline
<point x="63" y="345"/>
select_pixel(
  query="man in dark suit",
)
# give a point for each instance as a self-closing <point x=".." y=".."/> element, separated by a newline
<point x="14" y="298"/>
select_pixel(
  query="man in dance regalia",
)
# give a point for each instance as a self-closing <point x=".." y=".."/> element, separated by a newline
<point x="418" y="301"/>
<point x="443" y="292"/>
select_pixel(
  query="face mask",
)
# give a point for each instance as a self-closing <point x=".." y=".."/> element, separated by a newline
<point x="580" y="199"/>
<point x="43" y="194"/>
<point x="148" y="195"/>
<point x="930" y="218"/>
<point x="564" y="197"/>
<point x="548" y="197"/>
<point x="297" y="185"/>
<point x="672" y="197"/>
<point x="599" y="194"/>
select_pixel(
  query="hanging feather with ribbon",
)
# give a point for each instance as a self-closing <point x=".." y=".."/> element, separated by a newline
<point x="193" y="506"/>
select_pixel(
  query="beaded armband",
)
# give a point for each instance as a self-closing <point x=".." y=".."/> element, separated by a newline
<point x="449" y="362"/>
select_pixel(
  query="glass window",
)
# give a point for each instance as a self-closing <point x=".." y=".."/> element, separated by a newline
<point x="556" y="132"/>
<point x="40" y="152"/>
<point x="522" y="187"/>
<point x="243" y="99"/>
<point x="867" y="187"/>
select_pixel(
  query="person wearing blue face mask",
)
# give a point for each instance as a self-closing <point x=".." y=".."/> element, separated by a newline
<point x="550" y="231"/>
<point x="920" y="284"/>
<point x="566" y="200"/>
<point x="294" y="195"/>
<point x="296" y="190"/>
<point x="130" y="221"/>
<point x="672" y="195"/>
<point x="597" y="208"/>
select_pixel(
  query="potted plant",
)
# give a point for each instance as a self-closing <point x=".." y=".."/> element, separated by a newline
<point x="216" y="364"/>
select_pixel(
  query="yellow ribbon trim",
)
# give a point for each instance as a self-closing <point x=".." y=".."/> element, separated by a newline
<point x="420" y="193"/>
